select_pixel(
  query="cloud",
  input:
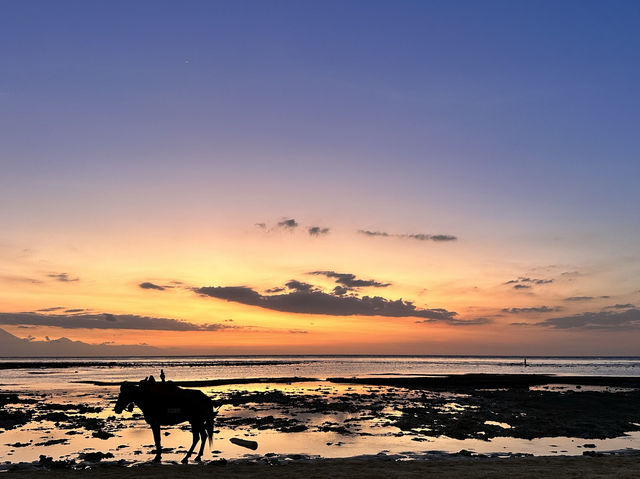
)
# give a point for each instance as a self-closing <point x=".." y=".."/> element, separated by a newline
<point x="106" y="321"/>
<point x="62" y="277"/>
<point x="148" y="285"/>
<point x="303" y="300"/>
<point x="373" y="233"/>
<point x="298" y="331"/>
<point x="460" y="322"/>
<point x="423" y="237"/>
<point x="525" y="282"/>
<point x="620" y="306"/>
<point x="579" y="298"/>
<point x="54" y="308"/>
<point x="277" y="289"/>
<point x="340" y="290"/>
<point x="288" y="223"/>
<point x="416" y="236"/>
<point x="603" y="320"/>
<point x="349" y="280"/>
<point x="299" y="285"/>
<point x="20" y="279"/>
<point x="539" y="309"/>
<point x="317" y="231"/>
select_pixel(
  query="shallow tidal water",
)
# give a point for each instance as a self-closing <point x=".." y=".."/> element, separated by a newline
<point x="281" y="429"/>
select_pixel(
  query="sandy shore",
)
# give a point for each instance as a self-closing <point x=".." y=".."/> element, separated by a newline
<point x="455" y="468"/>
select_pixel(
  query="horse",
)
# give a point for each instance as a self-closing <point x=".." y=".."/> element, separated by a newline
<point x="164" y="403"/>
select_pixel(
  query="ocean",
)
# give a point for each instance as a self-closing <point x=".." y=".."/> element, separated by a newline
<point x="56" y="373"/>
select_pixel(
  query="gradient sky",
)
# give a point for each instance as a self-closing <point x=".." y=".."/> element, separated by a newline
<point x="151" y="154"/>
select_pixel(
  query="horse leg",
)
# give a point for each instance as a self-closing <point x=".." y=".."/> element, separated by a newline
<point x="203" y="439"/>
<point x="156" y="437"/>
<point x="193" y="445"/>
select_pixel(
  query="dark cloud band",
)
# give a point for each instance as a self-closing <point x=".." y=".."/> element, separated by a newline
<point x="106" y="321"/>
<point x="312" y="301"/>
<point x="603" y="320"/>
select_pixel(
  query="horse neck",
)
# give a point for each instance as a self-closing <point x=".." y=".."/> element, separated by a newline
<point x="140" y="398"/>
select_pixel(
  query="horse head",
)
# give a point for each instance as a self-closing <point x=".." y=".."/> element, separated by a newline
<point x="127" y="397"/>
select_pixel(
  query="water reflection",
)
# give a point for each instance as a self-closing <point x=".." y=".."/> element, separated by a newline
<point x="311" y="419"/>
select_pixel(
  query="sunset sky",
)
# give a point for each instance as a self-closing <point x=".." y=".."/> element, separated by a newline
<point x="284" y="177"/>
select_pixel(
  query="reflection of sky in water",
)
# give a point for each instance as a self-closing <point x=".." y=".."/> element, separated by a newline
<point x="373" y="434"/>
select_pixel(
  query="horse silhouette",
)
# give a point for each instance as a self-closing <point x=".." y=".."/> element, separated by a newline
<point x="164" y="403"/>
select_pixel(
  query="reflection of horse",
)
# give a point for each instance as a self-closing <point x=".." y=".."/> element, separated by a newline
<point x="166" y="404"/>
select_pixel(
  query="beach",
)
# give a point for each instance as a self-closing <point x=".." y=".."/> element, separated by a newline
<point x="59" y="417"/>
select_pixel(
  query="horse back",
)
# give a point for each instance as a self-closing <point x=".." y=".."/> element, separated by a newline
<point x="168" y="404"/>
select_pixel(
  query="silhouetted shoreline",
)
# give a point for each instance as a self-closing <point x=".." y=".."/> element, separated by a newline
<point x="440" y="382"/>
<point x="619" y="466"/>
<point x="473" y="381"/>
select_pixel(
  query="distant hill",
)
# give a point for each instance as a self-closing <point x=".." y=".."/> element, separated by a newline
<point x="13" y="346"/>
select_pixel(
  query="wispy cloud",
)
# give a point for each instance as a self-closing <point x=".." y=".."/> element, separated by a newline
<point x="19" y="279"/>
<point x="374" y="233"/>
<point x="524" y="282"/>
<point x="537" y="309"/>
<point x="62" y="277"/>
<point x="584" y="298"/>
<point x="415" y="236"/>
<point x="460" y="322"/>
<point x="621" y="306"/>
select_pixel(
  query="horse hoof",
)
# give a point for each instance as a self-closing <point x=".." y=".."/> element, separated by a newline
<point x="198" y="459"/>
<point x="157" y="459"/>
<point x="185" y="460"/>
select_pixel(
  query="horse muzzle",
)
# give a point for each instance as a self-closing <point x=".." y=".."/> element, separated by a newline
<point x="119" y="408"/>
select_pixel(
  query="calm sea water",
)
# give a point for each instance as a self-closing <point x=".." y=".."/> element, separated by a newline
<point x="321" y="367"/>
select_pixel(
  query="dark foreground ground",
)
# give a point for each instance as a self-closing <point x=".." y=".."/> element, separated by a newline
<point x="512" y="468"/>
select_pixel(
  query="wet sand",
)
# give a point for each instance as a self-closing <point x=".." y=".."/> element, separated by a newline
<point x="454" y="468"/>
<point x="296" y="421"/>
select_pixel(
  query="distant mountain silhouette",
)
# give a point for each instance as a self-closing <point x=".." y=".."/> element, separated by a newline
<point x="13" y="346"/>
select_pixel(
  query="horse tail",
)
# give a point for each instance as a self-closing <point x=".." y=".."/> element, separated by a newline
<point x="208" y="424"/>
